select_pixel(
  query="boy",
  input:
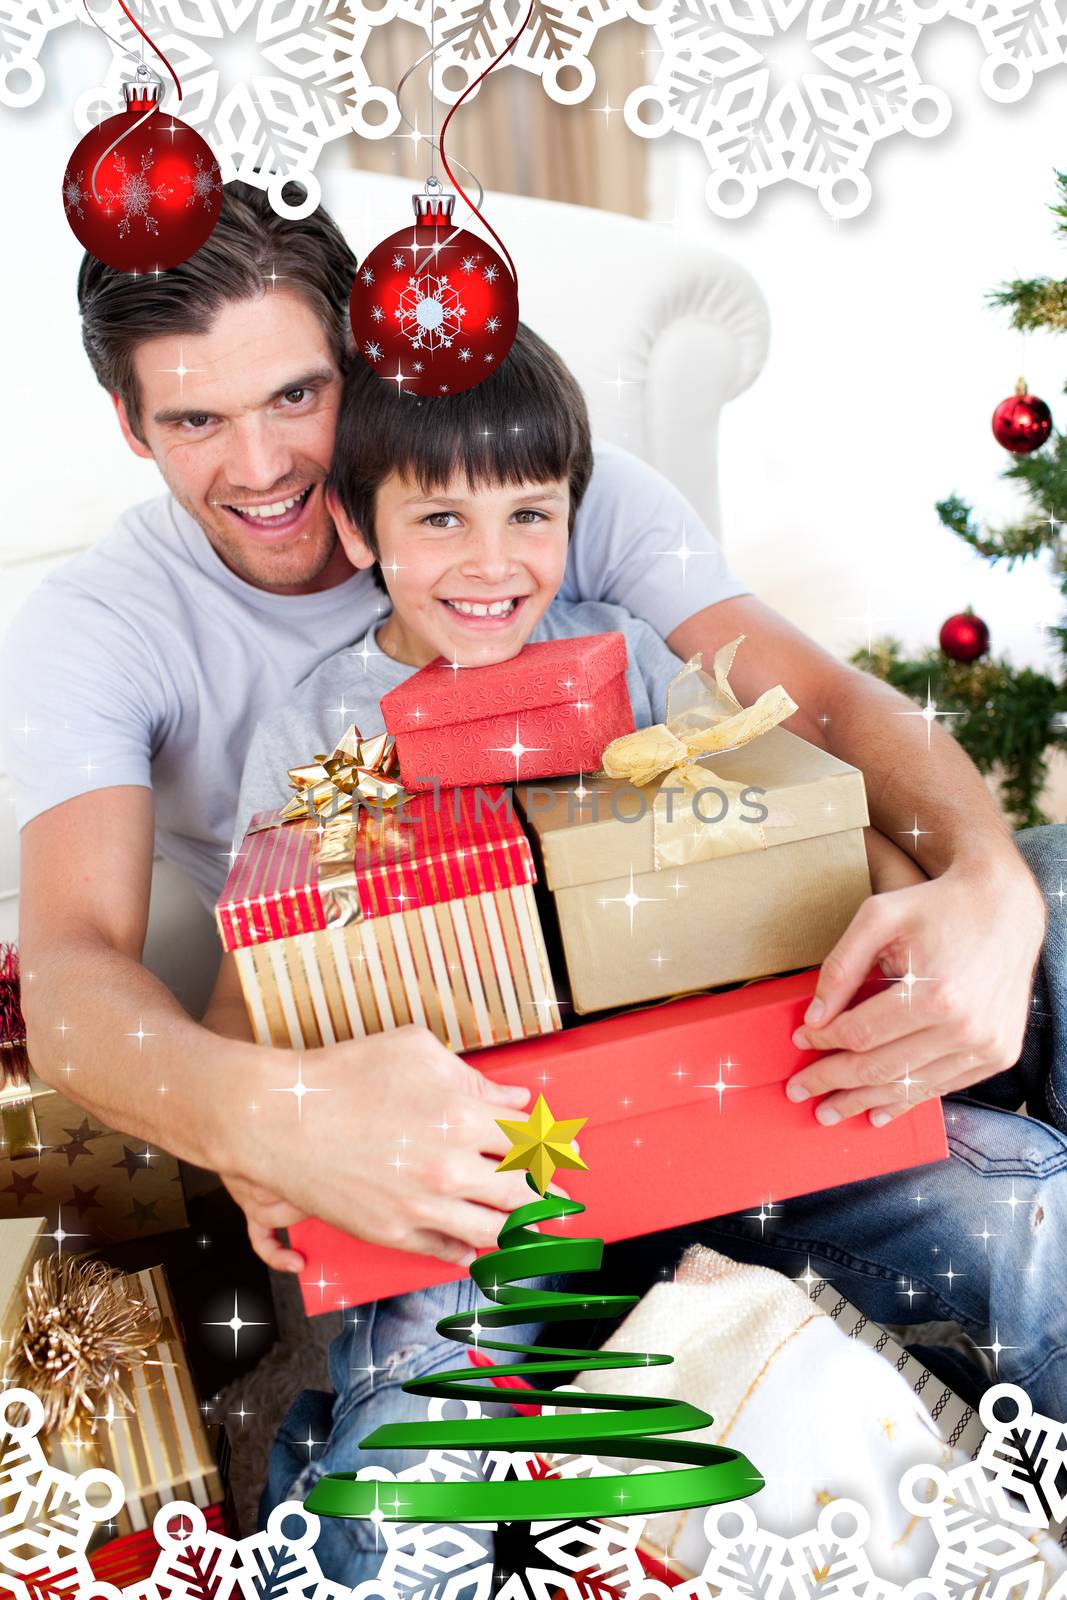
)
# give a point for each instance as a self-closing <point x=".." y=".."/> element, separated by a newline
<point x="463" y="507"/>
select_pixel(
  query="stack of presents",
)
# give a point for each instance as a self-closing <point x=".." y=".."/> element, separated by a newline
<point x="634" y="918"/>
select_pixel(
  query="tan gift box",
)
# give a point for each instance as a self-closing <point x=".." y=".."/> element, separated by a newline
<point x="631" y="933"/>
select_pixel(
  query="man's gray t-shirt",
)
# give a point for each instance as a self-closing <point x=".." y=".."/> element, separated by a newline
<point x="146" y="661"/>
<point x="349" y="686"/>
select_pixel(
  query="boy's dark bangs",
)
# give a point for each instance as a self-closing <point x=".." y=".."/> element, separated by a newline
<point x="491" y="444"/>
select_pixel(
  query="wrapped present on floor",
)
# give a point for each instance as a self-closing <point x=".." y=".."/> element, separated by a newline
<point x="103" y="1352"/>
<point x="550" y="709"/>
<point x="95" y="1185"/>
<point x="688" y="1099"/>
<point x="789" y="1366"/>
<point x="712" y="849"/>
<point x="366" y="919"/>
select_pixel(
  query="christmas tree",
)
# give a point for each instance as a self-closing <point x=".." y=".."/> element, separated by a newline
<point x="711" y="1475"/>
<point x="1007" y="718"/>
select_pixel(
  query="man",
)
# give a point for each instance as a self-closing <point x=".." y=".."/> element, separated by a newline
<point x="153" y="654"/>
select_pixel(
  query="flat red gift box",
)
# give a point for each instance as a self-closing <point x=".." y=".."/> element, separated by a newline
<point x="550" y="709"/>
<point x="687" y="1119"/>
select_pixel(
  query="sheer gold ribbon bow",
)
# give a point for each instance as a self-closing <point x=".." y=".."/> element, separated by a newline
<point x="704" y="718"/>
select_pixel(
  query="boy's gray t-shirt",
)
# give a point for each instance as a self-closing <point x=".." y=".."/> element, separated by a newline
<point x="348" y="688"/>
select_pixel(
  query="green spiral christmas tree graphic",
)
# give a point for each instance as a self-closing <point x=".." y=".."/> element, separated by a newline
<point x="621" y="1425"/>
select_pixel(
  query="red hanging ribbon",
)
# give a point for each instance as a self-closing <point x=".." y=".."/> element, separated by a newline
<point x="444" y="129"/>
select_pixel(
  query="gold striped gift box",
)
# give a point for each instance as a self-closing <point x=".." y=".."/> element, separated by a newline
<point x="369" y="921"/>
<point x="160" y="1449"/>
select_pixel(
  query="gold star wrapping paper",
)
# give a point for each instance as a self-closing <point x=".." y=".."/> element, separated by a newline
<point x="93" y="1185"/>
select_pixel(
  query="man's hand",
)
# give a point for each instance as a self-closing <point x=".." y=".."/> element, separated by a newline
<point x="264" y="1212"/>
<point x="964" y="947"/>
<point x="394" y="1140"/>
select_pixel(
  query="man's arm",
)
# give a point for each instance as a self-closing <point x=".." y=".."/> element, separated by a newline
<point x="113" y="1038"/>
<point x="948" y="1025"/>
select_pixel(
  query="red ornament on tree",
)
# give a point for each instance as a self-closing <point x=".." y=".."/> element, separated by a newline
<point x="142" y="190"/>
<point x="964" y="637"/>
<point x="434" y="308"/>
<point x="1022" y="422"/>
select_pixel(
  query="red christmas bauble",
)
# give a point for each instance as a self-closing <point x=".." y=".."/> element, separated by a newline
<point x="1022" y="422"/>
<point x="434" y="310"/>
<point x="964" y="637"/>
<point x="157" y="192"/>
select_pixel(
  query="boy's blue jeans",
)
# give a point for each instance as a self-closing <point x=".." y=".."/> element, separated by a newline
<point x="977" y="1239"/>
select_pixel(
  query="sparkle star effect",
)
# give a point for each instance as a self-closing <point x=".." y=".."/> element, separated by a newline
<point x="298" y="1089"/>
<point x="541" y="1144"/>
<point x="684" y="552"/>
<point x="996" y="1348"/>
<point x="236" y="1323"/>
<point x="915" y="833"/>
<point x="517" y="749"/>
<point x="929" y="713"/>
<point x="181" y="371"/>
<point x="631" y="900"/>
<point x="721" y="1083"/>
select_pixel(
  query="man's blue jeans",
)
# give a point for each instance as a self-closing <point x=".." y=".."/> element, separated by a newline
<point x="977" y="1239"/>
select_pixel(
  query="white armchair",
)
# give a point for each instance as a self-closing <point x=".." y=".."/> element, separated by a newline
<point x="660" y="331"/>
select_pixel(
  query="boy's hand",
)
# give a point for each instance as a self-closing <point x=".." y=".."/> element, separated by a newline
<point x="393" y="1139"/>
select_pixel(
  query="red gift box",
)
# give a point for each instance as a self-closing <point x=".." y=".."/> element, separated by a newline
<point x="132" y="1558"/>
<point x="687" y="1119"/>
<point x="550" y="709"/>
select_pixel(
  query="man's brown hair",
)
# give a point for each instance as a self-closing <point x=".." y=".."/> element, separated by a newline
<point x="250" y="249"/>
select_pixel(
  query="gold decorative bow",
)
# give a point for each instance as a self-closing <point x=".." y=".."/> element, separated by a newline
<point x="704" y="717"/>
<point x="327" y="788"/>
<point x="328" y="784"/>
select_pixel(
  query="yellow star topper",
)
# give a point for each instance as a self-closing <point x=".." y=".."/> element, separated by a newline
<point x="541" y="1144"/>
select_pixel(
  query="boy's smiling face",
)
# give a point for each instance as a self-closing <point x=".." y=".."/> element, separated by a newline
<point x="470" y="571"/>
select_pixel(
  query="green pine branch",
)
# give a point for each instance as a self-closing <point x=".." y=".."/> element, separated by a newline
<point x="1006" y="718"/>
<point x="1034" y="302"/>
<point x="1038" y="302"/>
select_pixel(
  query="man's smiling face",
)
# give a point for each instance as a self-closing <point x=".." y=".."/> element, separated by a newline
<point x="240" y="421"/>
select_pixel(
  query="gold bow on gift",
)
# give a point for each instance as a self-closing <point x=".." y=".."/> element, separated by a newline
<point x="327" y="788"/>
<point x="704" y="717"/>
<point x="328" y="785"/>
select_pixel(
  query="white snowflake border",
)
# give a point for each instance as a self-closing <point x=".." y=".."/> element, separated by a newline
<point x="718" y="80"/>
<point x="985" y="1516"/>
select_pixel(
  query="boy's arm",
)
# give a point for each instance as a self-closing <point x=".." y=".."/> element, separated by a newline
<point x="226" y="1012"/>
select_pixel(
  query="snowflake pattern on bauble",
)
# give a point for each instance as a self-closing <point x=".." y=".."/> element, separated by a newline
<point x="729" y="78"/>
<point x="135" y="193"/>
<point x="203" y="184"/>
<point x="430" y="312"/>
<point x="73" y="194"/>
